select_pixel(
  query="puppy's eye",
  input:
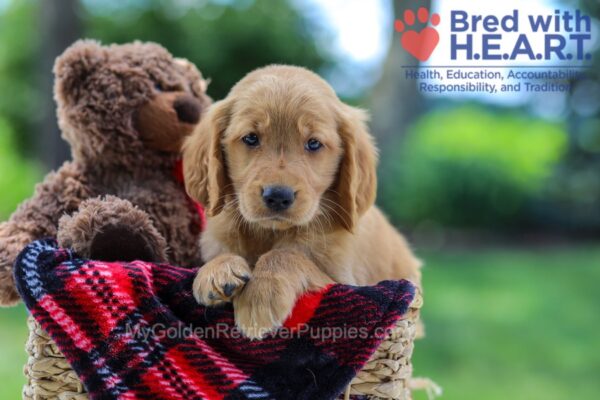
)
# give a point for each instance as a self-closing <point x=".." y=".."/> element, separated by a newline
<point x="251" y="140"/>
<point x="313" y="145"/>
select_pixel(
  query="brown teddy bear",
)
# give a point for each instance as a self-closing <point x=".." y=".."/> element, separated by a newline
<point x="125" y="110"/>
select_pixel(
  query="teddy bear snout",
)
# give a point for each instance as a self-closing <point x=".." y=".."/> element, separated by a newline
<point x="188" y="109"/>
<point x="165" y="120"/>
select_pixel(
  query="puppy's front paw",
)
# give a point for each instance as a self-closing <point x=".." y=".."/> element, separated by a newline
<point x="221" y="279"/>
<point x="262" y="307"/>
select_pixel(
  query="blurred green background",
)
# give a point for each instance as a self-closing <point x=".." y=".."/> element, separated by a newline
<point x="500" y="199"/>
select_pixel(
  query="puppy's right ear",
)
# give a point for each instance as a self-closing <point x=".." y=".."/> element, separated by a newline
<point x="204" y="169"/>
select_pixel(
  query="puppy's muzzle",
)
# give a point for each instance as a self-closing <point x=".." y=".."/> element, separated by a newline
<point x="278" y="198"/>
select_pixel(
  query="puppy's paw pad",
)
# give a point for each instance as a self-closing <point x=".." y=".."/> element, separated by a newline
<point x="220" y="280"/>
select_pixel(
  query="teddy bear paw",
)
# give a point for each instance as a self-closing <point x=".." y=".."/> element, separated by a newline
<point x="112" y="229"/>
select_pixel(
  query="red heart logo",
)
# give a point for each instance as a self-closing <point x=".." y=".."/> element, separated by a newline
<point x="420" y="44"/>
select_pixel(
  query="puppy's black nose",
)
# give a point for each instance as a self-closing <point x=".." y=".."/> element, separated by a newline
<point x="188" y="109"/>
<point x="278" y="198"/>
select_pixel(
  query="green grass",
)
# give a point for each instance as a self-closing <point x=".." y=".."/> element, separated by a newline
<point x="13" y="334"/>
<point x="501" y="324"/>
<point x="512" y="324"/>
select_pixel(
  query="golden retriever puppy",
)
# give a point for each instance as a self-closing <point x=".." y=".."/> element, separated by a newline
<point x="286" y="172"/>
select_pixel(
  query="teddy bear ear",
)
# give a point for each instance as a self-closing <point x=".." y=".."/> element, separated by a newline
<point x="199" y="85"/>
<point x="74" y="65"/>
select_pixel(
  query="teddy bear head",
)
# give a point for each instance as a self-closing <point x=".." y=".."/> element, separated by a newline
<point x="126" y="106"/>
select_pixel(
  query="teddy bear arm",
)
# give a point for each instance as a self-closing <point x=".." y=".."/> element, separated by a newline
<point x="36" y="218"/>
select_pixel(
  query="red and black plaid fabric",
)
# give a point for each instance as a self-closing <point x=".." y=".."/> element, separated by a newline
<point x="134" y="331"/>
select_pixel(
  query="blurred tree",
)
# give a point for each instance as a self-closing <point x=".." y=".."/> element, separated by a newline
<point x="19" y="103"/>
<point x="572" y="198"/>
<point x="26" y="59"/>
<point x="19" y="44"/>
<point x="395" y="101"/>
<point x="224" y="39"/>
<point x="470" y="167"/>
<point x="18" y="174"/>
<point x="59" y="27"/>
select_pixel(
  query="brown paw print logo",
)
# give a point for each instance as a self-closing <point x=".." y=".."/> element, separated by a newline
<point x="422" y="43"/>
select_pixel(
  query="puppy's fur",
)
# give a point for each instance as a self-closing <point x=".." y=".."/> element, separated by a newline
<point x="260" y="259"/>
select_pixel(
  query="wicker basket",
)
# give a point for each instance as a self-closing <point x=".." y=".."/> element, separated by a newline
<point x="387" y="375"/>
<point x="49" y="375"/>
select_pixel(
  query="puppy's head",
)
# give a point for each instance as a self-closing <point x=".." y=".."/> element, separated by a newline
<point x="283" y="150"/>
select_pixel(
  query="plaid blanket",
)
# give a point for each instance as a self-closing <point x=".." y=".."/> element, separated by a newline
<point x="134" y="331"/>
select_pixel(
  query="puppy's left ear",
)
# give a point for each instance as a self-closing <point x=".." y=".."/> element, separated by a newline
<point x="204" y="168"/>
<point x="356" y="186"/>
